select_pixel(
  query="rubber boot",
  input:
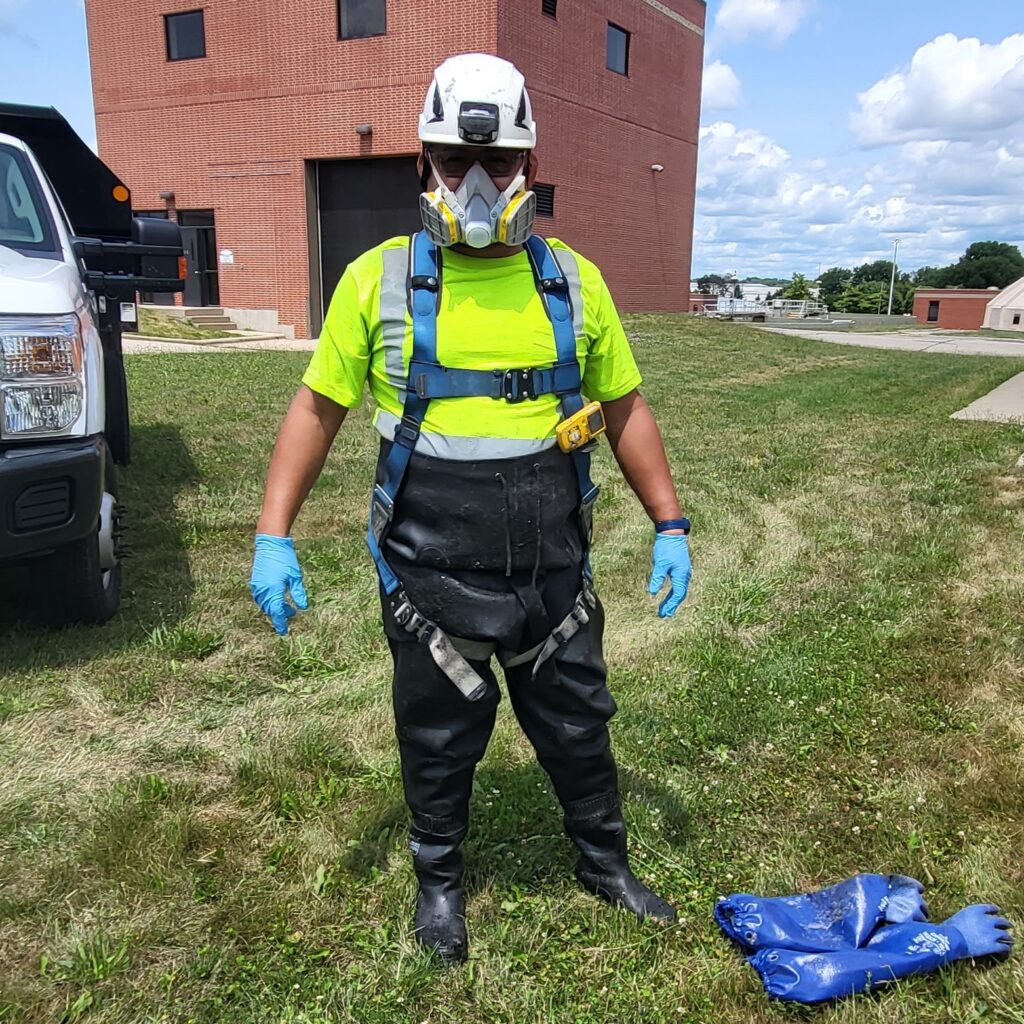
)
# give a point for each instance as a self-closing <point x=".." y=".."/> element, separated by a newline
<point x="440" y="921"/>
<point x="597" y="828"/>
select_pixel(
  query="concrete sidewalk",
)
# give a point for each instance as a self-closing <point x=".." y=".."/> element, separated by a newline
<point x="139" y="346"/>
<point x="1005" y="404"/>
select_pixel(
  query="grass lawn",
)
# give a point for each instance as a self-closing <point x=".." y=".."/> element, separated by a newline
<point x="160" y="325"/>
<point x="201" y="822"/>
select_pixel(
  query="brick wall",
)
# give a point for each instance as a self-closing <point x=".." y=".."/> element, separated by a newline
<point x="599" y="133"/>
<point x="230" y="132"/>
<point x="960" y="309"/>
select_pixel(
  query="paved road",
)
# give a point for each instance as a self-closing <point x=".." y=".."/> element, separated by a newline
<point x="912" y="341"/>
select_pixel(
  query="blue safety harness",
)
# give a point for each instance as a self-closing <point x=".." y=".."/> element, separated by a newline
<point x="428" y="380"/>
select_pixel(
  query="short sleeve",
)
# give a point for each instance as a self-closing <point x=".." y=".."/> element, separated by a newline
<point x="342" y="356"/>
<point x="611" y="370"/>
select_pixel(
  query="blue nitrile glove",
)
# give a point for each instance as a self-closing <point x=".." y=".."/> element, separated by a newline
<point x="275" y="572"/>
<point x="896" y="951"/>
<point x="671" y="558"/>
<point x="984" y="932"/>
<point x="843" y="916"/>
<point x="906" y="902"/>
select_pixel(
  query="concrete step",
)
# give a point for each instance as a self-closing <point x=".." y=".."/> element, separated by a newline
<point x="219" y="321"/>
<point x="191" y="311"/>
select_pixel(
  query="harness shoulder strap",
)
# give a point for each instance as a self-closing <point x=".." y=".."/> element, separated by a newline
<point x="424" y="295"/>
<point x="554" y="290"/>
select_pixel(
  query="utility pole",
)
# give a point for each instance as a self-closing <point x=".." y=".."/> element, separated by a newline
<point x="892" y="283"/>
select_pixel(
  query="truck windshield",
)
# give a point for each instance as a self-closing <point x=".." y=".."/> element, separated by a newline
<point x="25" y="223"/>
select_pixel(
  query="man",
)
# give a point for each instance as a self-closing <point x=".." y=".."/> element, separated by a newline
<point x="477" y="340"/>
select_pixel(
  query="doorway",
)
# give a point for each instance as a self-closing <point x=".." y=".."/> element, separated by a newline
<point x="199" y="238"/>
<point x="353" y="206"/>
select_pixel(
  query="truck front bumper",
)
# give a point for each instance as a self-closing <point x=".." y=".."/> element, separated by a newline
<point x="50" y="495"/>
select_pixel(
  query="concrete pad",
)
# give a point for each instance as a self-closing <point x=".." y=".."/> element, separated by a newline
<point x="1005" y="404"/>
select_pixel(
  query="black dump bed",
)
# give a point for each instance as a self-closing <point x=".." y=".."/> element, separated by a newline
<point x="83" y="181"/>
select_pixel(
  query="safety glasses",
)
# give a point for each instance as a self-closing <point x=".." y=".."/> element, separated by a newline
<point x="455" y="161"/>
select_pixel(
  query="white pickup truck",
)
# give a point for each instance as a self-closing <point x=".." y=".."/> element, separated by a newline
<point x="71" y="260"/>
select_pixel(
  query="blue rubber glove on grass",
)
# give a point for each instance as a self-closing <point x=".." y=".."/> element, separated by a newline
<point x="671" y="560"/>
<point x="843" y="916"/>
<point x="894" y="952"/>
<point x="275" y="573"/>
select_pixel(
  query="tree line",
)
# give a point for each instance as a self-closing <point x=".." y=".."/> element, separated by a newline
<point x="865" y="289"/>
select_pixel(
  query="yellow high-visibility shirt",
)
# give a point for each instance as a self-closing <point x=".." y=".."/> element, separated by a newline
<point x="490" y="317"/>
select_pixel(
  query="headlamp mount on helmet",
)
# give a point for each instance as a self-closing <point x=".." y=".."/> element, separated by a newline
<point x="478" y="123"/>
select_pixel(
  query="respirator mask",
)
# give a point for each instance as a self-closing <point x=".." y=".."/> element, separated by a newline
<point x="478" y="213"/>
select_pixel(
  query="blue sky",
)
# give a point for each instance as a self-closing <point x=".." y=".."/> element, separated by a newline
<point x="829" y="127"/>
<point x="44" y="58"/>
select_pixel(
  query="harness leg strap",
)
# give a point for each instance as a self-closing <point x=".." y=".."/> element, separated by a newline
<point x="578" y="617"/>
<point x="442" y="650"/>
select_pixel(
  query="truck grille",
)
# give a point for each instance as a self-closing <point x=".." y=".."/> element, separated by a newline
<point x="43" y="506"/>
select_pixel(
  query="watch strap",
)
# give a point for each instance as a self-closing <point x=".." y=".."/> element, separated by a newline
<point x="672" y="524"/>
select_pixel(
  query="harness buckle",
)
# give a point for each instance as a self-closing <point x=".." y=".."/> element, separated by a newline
<point x="517" y="385"/>
<point x="409" y="619"/>
<point x="407" y="432"/>
<point x="426" y="281"/>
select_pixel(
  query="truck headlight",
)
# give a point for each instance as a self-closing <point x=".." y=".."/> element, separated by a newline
<point x="41" y="408"/>
<point x="41" y="375"/>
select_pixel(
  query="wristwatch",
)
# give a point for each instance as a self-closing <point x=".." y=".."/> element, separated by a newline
<point x="672" y="524"/>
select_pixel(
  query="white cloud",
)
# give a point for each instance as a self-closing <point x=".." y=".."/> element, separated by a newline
<point x="762" y="210"/>
<point x="954" y="89"/>
<point x="721" y="89"/>
<point x="771" y="20"/>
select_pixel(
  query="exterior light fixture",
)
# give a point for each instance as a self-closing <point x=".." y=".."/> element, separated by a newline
<point x="657" y="168"/>
<point x="167" y="195"/>
<point x="364" y="129"/>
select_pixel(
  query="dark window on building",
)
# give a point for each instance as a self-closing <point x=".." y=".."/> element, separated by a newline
<point x="1016" y="319"/>
<point x="618" y="49"/>
<point x="549" y="7"/>
<point x="933" y="312"/>
<point x="186" y="35"/>
<point x="545" y="199"/>
<point x="358" y="19"/>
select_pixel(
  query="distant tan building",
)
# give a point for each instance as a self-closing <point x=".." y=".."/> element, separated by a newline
<point x="1006" y="311"/>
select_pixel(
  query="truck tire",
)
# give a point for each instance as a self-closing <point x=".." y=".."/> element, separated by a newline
<point x="72" y="585"/>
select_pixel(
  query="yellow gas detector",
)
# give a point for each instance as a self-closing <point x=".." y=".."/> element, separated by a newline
<point x="582" y="429"/>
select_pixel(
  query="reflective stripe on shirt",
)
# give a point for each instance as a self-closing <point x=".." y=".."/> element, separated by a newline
<point x="463" y="449"/>
<point x="393" y="304"/>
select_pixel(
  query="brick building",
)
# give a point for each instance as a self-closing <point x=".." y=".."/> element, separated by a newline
<point x="961" y="309"/>
<point x="282" y="136"/>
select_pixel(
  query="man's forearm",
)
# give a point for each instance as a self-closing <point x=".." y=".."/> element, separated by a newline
<point x="636" y="443"/>
<point x="305" y="438"/>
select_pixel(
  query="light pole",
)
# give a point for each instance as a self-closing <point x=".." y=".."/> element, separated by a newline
<point x="892" y="282"/>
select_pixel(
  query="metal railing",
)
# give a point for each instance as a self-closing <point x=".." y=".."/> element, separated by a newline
<point x="769" y="309"/>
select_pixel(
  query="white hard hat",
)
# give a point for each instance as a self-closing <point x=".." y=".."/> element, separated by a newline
<point x="477" y="99"/>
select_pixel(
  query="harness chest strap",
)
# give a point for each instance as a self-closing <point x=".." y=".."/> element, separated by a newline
<point x="428" y="379"/>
